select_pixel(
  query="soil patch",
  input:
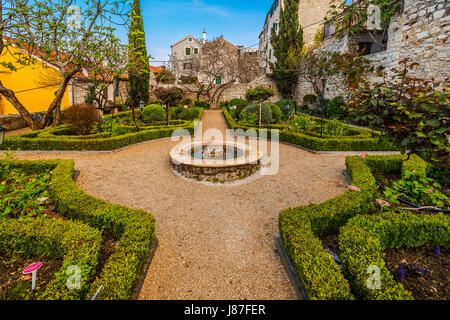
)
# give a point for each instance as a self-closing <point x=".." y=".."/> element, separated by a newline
<point x="426" y="276"/>
<point x="14" y="285"/>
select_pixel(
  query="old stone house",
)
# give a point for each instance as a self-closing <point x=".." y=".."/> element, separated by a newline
<point x="186" y="53"/>
<point x="310" y="14"/>
<point x="419" y="32"/>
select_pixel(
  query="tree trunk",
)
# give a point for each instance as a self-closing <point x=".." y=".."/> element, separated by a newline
<point x="11" y="97"/>
<point x="58" y="97"/>
<point x="260" y="112"/>
<point x="168" y="113"/>
<point x="57" y="119"/>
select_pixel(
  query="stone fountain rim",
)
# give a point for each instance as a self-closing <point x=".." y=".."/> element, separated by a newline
<point x="254" y="156"/>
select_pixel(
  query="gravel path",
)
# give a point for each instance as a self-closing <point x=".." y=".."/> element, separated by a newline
<point x="215" y="242"/>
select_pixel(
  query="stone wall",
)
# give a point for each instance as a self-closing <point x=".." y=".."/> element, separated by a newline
<point x="235" y="91"/>
<point x="420" y="33"/>
<point x="16" y="122"/>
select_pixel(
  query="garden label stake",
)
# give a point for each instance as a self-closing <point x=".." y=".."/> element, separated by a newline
<point x="33" y="270"/>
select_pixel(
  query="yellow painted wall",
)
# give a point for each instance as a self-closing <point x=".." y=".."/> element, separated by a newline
<point x="26" y="78"/>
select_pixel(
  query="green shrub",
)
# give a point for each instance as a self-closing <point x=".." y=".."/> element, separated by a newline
<point x="73" y="242"/>
<point x="309" y="100"/>
<point x="153" y="113"/>
<point x="54" y="139"/>
<point x="363" y="239"/>
<point x="175" y="113"/>
<point x="286" y="107"/>
<point x="361" y="140"/>
<point x="82" y="118"/>
<point x="266" y="112"/>
<point x="202" y="104"/>
<point x="190" y="114"/>
<point x="336" y="108"/>
<point x="300" y="228"/>
<point x="276" y="113"/>
<point x="239" y="105"/>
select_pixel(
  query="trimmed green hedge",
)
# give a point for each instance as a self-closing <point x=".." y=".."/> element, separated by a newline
<point x="74" y="242"/>
<point x="54" y="139"/>
<point x="300" y="228"/>
<point x="364" y="238"/>
<point x="134" y="229"/>
<point x="399" y="163"/>
<point x="366" y="140"/>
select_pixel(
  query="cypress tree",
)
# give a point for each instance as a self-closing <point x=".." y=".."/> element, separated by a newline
<point x="288" y="40"/>
<point x="139" y="69"/>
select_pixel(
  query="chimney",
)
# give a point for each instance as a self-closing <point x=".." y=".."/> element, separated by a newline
<point x="204" y="36"/>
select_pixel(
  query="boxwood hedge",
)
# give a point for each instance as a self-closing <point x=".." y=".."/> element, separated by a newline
<point x="134" y="229"/>
<point x="301" y="227"/>
<point x="57" y="138"/>
<point x="364" y="238"/>
<point x="74" y="242"/>
<point x="360" y="140"/>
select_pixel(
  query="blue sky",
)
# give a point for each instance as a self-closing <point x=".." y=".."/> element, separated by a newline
<point x="167" y="21"/>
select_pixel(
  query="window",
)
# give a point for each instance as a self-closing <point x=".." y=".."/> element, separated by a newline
<point x="187" y="66"/>
<point x="196" y="51"/>
<point x="188" y="51"/>
<point x="190" y="39"/>
<point x="270" y="53"/>
<point x="219" y="80"/>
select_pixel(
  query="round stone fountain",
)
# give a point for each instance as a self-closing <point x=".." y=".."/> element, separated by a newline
<point x="215" y="162"/>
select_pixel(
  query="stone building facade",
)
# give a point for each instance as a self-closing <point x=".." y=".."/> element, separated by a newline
<point x="420" y="32"/>
<point x="310" y="14"/>
<point x="185" y="54"/>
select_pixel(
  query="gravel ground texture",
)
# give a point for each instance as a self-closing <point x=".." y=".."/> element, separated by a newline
<point x="215" y="242"/>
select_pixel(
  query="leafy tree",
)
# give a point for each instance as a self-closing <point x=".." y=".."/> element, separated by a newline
<point x="289" y="39"/>
<point x="259" y="94"/>
<point x="353" y="18"/>
<point x="49" y="32"/>
<point x="169" y="97"/>
<point x="165" y="76"/>
<point x="139" y="69"/>
<point x="412" y="112"/>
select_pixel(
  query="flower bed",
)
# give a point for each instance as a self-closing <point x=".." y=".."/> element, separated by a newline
<point x="358" y="140"/>
<point x="133" y="229"/>
<point x="302" y="229"/>
<point x="58" y="138"/>
<point x="75" y="243"/>
<point x="364" y="238"/>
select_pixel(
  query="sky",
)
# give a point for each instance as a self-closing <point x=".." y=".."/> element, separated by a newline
<point x="168" y="21"/>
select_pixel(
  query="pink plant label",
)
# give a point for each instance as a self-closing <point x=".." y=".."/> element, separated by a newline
<point x="430" y="191"/>
<point x="354" y="188"/>
<point x="383" y="203"/>
<point x="363" y="155"/>
<point x="32" y="268"/>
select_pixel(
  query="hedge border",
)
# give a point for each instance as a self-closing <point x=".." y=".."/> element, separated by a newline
<point x="364" y="238"/>
<point x="33" y="140"/>
<point x="134" y="229"/>
<point x="374" y="143"/>
<point x="76" y="243"/>
<point x="301" y="227"/>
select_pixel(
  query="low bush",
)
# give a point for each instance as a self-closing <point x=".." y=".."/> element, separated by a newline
<point x="266" y="112"/>
<point x="336" y="108"/>
<point x="75" y="243"/>
<point x="190" y="114"/>
<point x="276" y="113"/>
<point x="82" y="118"/>
<point x="202" y="104"/>
<point x="153" y="113"/>
<point x="363" y="239"/>
<point x="300" y="228"/>
<point x="309" y="100"/>
<point x="134" y="229"/>
<point x="47" y="140"/>
<point x="359" y="140"/>
<point x="286" y="107"/>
